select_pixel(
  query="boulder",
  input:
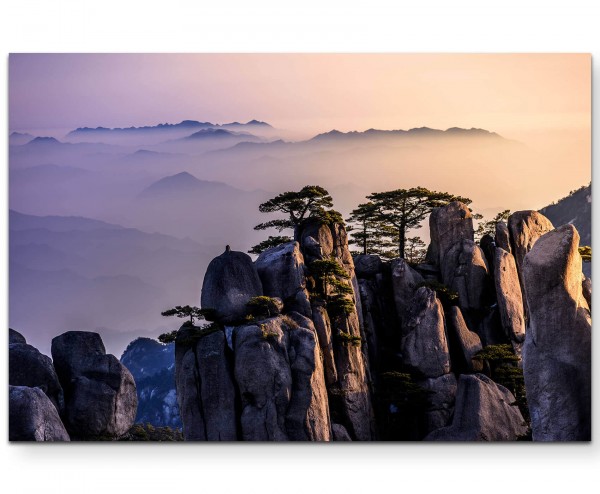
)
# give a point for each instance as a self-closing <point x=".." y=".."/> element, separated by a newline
<point x="557" y="354"/>
<point x="340" y="433"/>
<point x="483" y="412"/>
<point x="525" y="228"/>
<point x="503" y="237"/>
<point x="468" y="341"/>
<point x="33" y="417"/>
<point x="28" y="367"/>
<point x="282" y="272"/>
<point x="448" y="225"/>
<point x="508" y="294"/>
<point x="100" y="393"/>
<point x="367" y="265"/>
<point x="424" y="345"/>
<point x="207" y="391"/>
<point x="15" y="337"/>
<point x="586" y="287"/>
<point x="465" y="271"/>
<point x="405" y="281"/>
<point x="231" y="280"/>
<point x="281" y="384"/>
<point x="442" y="393"/>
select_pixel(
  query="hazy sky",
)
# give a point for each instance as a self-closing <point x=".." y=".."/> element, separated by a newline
<point x="513" y="95"/>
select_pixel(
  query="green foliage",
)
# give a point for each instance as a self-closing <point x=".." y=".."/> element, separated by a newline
<point x="326" y="268"/>
<point x="268" y="334"/>
<point x="369" y="233"/>
<point x="190" y="335"/>
<point x="405" y="209"/>
<point x="262" y="306"/>
<point x="272" y="241"/>
<point x="497" y="354"/>
<point x="169" y="337"/>
<point x="340" y="306"/>
<point x="341" y="287"/>
<point x="310" y="201"/>
<point x="415" y="250"/>
<point x="191" y="312"/>
<point x="446" y="296"/>
<point x="489" y="227"/>
<point x="348" y="339"/>
<point x="586" y="253"/>
<point x="147" y="432"/>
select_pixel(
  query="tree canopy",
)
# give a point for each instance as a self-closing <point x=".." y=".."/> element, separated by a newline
<point x="405" y="209"/>
<point x="310" y="201"/>
<point x="369" y="233"/>
<point x="489" y="227"/>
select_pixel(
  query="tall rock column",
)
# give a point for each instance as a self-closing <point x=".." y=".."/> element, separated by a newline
<point x="350" y="394"/>
<point x="557" y="351"/>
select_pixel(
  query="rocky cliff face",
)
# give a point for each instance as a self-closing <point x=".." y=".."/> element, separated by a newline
<point x="365" y="349"/>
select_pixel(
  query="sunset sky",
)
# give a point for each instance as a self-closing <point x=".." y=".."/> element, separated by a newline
<point x="513" y="95"/>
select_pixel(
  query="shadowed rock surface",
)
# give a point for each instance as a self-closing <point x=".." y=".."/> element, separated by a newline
<point x="468" y="341"/>
<point x="483" y="412"/>
<point x="282" y="272"/>
<point x="405" y="281"/>
<point x="231" y="280"/>
<point x="442" y="396"/>
<point x="100" y="393"/>
<point x="28" y="367"/>
<point x="465" y="271"/>
<point x="503" y="236"/>
<point x="557" y="351"/>
<point x="15" y="337"/>
<point x="508" y="292"/>
<point x="424" y="345"/>
<point x="33" y="417"/>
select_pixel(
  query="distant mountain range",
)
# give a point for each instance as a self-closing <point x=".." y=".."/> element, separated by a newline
<point x="184" y="183"/>
<point x="185" y="124"/>
<point x="152" y="366"/>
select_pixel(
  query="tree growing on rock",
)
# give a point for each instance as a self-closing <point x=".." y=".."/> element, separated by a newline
<point x="489" y="227"/>
<point x="369" y="233"/>
<point x="185" y="311"/>
<point x="310" y="201"/>
<point x="405" y="209"/>
<point x="272" y="241"/>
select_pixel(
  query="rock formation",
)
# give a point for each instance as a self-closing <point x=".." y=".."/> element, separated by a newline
<point x="33" y="417"/>
<point x="483" y="412"/>
<point x="231" y="280"/>
<point x="557" y="351"/>
<point x="468" y="342"/>
<point x="100" y="393"/>
<point x="508" y="291"/>
<point x="448" y="225"/>
<point x="28" y="367"/>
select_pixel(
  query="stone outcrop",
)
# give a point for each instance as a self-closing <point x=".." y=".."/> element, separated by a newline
<point x="465" y="271"/>
<point x="205" y="388"/>
<point x="557" y="350"/>
<point x="468" y="341"/>
<point x="15" y="337"/>
<point x="33" y="417"/>
<point x="100" y="393"/>
<point x="282" y="397"/>
<point x="28" y="367"/>
<point x="282" y="272"/>
<point x="483" y="412"/>
<point x="231" y="280"/>
<point x="508" y="293"/>
<point x="367" y="265"/>
<point x="448" y="225"/>
<point x="503" y="236"/>
<point x="405" y="281"/>
<point x="442" y="394"/>
<point x="424" y="344"/>
<point x="525" y="228"/>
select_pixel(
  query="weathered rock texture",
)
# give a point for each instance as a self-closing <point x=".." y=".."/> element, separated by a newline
<point x="508" y="292"/>
<point x="15" y="337"/>
<point x="100" y="394"/>
<point x="424" y="344"/>
<point x="483" y="412"/>
<point x="282" y="272"/>
<point x="557" y="350"/>
<point x="442" y="396"/>
<point x="465" y="271"/>
<point x="448" y="225"/>
<point x="525" y="228"/>
<point x="405" y="281"/>
<point x="468" y="341"/>
<point x="503" y="236"/>
<point x="231" y="280"/>
<point x="28" y="367"/>
<point x="33" y="417"/>
<point x="205" y="388"/>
